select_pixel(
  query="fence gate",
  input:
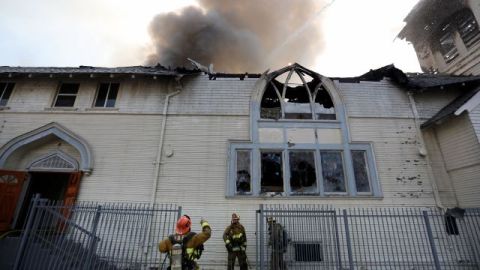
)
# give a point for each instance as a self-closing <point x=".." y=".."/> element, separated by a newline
<point x="296" y="237"/>
<point x="94" y="236"/>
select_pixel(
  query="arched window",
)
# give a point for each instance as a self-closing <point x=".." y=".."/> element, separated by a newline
<point x="299" y="142"/>
<point x="296" y="93"/>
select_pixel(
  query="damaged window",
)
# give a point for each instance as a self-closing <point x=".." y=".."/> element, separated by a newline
<point x="107" y="95"/>
<point x="293" y="93"/>
<point x="360" y="169"/>
<point x="297" y="103"/>
<point x="324" y="109"/>
<point x="302" y="172"/>
<point x="468" y="28"/>
<point x="5" y="92"/>
<point x="272" y="176"/>
<point x="447" y="44"/>
<point x="243" y="182"/>
<point x="332" y="170"/>
<point x="66" y="95"/>
<point x="270" y="106"/>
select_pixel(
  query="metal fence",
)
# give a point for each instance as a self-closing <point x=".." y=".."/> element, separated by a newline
<point x="321" y="237"/>
<point x="94" y="236"/>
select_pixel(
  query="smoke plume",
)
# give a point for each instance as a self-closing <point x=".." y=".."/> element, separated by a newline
<point x="239" y="36"/>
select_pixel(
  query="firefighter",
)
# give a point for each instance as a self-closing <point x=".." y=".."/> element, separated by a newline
<point x="184" y="247"/>
<point x="236" y="243"/>
<point x="278" y="242"/>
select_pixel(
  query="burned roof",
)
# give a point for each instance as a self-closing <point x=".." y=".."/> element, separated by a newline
<point x="451" y="108"/>
<point x="416" y="82"/>
<point x="157" y="70"/>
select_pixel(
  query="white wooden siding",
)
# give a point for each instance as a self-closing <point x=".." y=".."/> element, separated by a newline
<point x="374" y="99"/>
<point x="461" y="151"/>
<point x="403" y="173"/>
<point x="475" y="119"/>
<point x="444" y="184"/>
<point x="222" y="96"/>
<point x="431" y="102"/>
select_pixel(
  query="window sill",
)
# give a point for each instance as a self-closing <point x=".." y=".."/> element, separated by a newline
<point x="101" y="109"/>
<point x="61" y="109"/>
<point x="306" y="197"/>
<point x="298" y="121"/>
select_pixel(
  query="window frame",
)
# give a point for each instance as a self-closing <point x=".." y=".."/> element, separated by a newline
<point x="57" y="94"/>
<point x="106" y="97"/>
<point x="4" y="90"/>
<point x="341" y="143"/>
<point x="255" y="167"/>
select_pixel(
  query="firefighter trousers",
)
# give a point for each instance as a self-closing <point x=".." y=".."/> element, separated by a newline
<point x="242" y="260"/>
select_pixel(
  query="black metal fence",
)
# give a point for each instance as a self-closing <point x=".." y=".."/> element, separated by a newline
<point x="320" y="237"/>
<point x="94" y="236"/>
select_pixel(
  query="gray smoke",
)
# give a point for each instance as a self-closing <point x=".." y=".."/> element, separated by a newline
<point x="239" y="36"/>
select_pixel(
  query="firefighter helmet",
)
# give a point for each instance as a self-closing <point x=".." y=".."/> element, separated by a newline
<point x="183" y="225"/>
<point x="235" y="216"/>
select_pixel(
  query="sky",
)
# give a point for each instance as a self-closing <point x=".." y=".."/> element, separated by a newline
<point x="359" y="35"/>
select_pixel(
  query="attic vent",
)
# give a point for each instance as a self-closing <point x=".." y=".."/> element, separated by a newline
<point x="54" y="162"/>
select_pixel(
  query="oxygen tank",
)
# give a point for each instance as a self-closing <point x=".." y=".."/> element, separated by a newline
<point x="176" y="259"/>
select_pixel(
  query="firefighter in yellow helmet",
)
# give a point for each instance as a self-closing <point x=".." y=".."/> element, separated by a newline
<point x="186" y="242"/>
<point x="236" y="243"/>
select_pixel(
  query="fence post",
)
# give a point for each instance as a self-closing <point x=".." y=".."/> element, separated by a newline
<point x="339" y="256"/>
<point x="26" y="234"/>
<point x="261" y="244"/>
<point x="431" y="240"/>
<point x="347" y="236"/>
<point x="93" y="241"/>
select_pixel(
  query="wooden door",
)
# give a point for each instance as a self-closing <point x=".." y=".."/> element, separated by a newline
<point x="11" y="183"/>
<point x="71" y="193"/>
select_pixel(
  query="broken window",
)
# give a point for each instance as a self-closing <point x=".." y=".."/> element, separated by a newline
<point x="66" y="95"/>
<point x="270" y="106"/>
<point x="332" y="171"/>
<point x="324" y="109"/>
<point x="302" y="172"/>
<point x="297" y="103"/>
<point x="293" y="93"/>
<point x="447" y="44"/>
<point x="360" y="169"/>
<point x="243" y="182"/>
<point x="107" y="95"/>
<point x="271" y="171"/>
<point x="468" y="28"/>
<point x="5" y="92"/>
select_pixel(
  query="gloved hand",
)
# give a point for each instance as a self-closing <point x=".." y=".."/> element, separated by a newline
<point x="229" y="247"/>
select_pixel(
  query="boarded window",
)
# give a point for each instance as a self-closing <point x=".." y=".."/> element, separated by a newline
<point x="272" y="176"/>
<point x="107" y="95"/>
<point x="243" y="182"/>
<point x="302" y="172"/>
<point x="5" y="92"/>
<point x="360" y="169"/>
<point x="66" y="95"/>
<point x="332" y="171"/>
<point x="468" y="28"/>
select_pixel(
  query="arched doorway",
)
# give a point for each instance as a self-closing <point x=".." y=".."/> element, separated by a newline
<point x="49" y="161"/>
